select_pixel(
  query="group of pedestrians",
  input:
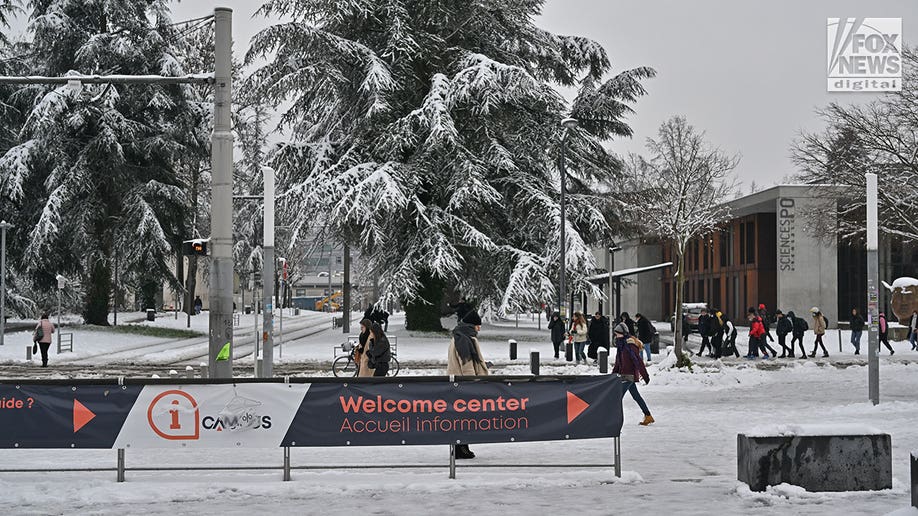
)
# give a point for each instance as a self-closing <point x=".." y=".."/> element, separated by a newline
<point x="588" y="336"/>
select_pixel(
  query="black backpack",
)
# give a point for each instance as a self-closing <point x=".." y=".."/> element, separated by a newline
<point x="826" y="319"/>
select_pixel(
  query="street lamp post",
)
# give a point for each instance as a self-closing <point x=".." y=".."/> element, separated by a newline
<point x="4" y="225"/>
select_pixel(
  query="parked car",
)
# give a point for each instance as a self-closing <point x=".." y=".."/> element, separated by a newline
<point x="692" y="311"/>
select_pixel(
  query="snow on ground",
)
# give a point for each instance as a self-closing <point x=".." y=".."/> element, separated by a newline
<point x="683" y="464"/>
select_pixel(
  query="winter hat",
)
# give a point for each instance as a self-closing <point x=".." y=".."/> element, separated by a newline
<point x="814" y="310"/>
<point x="761" y="306"/>
<point x="779" y="312"/>
<point x="472" y="318"/>
<point x="621" y="329"/>
<point x="751" y="310"/>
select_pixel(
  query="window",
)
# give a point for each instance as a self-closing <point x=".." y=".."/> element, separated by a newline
<point x="338" y="260"/>
<point x="750" y="242"/>
<point x="726" y="247"/>
<point x="300" y="292"/>
<point x="706" y="245"/>
<point x="742" y="238"/>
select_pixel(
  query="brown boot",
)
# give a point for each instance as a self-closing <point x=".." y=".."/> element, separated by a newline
<point x="648" y="419"/>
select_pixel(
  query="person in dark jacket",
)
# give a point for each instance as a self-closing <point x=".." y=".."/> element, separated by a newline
<point x="913" y="330"/>
<point x="766" y="322"/>
<point x="630" y="367"/>
<point x="629" y="323"/>
<point x="598" y="334"/>
<point x="645" y="331"/>
<point x="730" y="338"/>
<point x="717" y="332"/>
<point x="704" y="330"/>
<point x="884" y="334"/>
<point x="686" y="330"/>
<point x="785" y="326"/>
<point x="378" y="351"/>
<point x="799" y="326"/>
<point x="857" y="329"/>
<point x="556" y="325"/>
<point x="198" y="305"/>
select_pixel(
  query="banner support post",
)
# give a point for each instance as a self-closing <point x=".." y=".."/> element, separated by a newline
<point x="286" y="464"/>
<point x="617" y="445"/>
<point x="452" y="461"/>
<point x="120" y="465"/>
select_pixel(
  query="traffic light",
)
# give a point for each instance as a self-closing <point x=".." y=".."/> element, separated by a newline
<point x="196" y="247"/>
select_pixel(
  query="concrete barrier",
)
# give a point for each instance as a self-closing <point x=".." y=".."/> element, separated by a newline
<point x="815" y="457"/>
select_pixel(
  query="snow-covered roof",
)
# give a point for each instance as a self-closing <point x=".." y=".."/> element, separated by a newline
<point x="629" y="272"/>
<point x="812" y="430"/>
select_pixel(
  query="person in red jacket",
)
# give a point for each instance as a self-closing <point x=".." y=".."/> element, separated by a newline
<point x="630" y="366"/>
<point x="756" y="335"/>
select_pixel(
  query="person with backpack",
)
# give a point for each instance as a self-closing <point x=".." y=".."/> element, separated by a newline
<point x="717" y="333"/>
<point x="784" y="327"/>
<point x="820" y="323"/>
<point x="730" y="338"/>
<point x="556" y="325"/>
<point x="704" y="330"/>
<point x="42" y="337"/>
<point x="766" y="321"/>
<point x="630" y="367"/>
<point x="884" y="334"/>
<point x="800" y="327"/>
<point x="598" y="335"/>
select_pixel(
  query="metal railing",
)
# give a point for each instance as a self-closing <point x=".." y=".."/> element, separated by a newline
<point x="121" y="466"/>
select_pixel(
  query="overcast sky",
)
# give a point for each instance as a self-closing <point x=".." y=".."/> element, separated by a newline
<point x="750" y="73"/>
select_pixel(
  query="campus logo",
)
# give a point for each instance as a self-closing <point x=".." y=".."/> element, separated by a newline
<point x="864" y="54"/>
<point x="174" y="415"/>
<point x="240" y="413"/>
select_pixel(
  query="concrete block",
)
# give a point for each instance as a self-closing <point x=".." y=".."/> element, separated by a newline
<point x="844" y="461"/>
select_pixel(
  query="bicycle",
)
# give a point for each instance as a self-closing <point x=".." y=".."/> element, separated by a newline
<point x="344" y="364"/>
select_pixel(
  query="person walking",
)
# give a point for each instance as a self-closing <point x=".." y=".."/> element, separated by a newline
<point x="580" y="333"/>
<point x="730" y="338"/>
<point x="857" y="329"/>
<point x="198" y="305"/>
<point x="819" y="328"/>
<point x="756" y="334"/>
<point x="913" y="330"/>
<point x="628" y="321"/>
<point x="42" y="337"/>
<point x="645" y="333"/>
<point x="717" y="333"/>
<point x="464" y="358"/>
<point x="884" y="334"/>
<point x="766" y="321"/>
<point x="556" y="325"/>
<point x="631" y="368"/>
<point x="686" y="329"/>
<point x="704" y="330"/>
<point x="784" y="327"/>
<point x="799" y="326"/>
<point x="597" y="334"/>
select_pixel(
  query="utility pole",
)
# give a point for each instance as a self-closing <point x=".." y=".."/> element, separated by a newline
<point x="4" y="225"/>
<point x="873" y="359"/>
<point x="221" y="220"/>
<point x="267" y="276"/>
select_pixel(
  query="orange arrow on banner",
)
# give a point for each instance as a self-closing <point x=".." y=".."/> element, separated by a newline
<point x="575" y="406"/>
<point x="82" y="415"/>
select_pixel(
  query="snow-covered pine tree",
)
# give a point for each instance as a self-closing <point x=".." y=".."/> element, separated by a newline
<point x="426" y="134"/>
<point x="98" y="162"/>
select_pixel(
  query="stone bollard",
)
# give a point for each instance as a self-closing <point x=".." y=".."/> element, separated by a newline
<point x="205" y="370"/>
<point x="28" y="352"/>
<point x="512" y="349"/>
<point x="259" y="367"/>
<point x="603" y="361"/>
<point x="915" y="479"/>
<point x="189" y="371"/>
<point x="173" y="373"/>
<point x="534" y="362"/>
<point x="569" y="351"/>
